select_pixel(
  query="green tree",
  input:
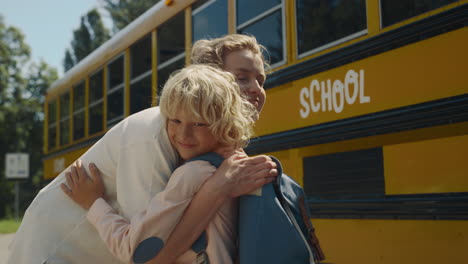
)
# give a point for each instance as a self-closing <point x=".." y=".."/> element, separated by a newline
<point x="14" y="53"/>
<point x="21" y="118"/>
<point x="125" y="11"/>
<point x="89" y="36"/>
<point x="40" y="76"/>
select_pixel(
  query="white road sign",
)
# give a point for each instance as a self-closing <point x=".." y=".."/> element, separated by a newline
<point x="17" y="165"/>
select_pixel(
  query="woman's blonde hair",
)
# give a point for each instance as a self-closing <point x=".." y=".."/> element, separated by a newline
<point x="213" y="97"/>
<point x="213" y="51"/>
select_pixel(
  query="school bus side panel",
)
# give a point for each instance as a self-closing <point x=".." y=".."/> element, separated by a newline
<point x="420" y="72"/>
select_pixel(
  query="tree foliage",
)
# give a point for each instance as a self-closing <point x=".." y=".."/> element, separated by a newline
<point x="89" y="36"/>
<point x="92" y="33"/>
<point x="22" y="86"/>
<point x="14" y="53"/>
<point x="125" y="11"/>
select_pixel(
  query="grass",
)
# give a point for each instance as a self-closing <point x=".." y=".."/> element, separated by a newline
<point x="9" y="226"/>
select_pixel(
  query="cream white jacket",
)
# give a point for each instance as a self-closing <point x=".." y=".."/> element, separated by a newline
<point x="136" y="160"/>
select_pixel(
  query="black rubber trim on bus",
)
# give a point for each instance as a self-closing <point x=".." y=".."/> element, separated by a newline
<point x="426" y="28"/>
<point x="433" y="206"/>
<point x="429" y="114"/>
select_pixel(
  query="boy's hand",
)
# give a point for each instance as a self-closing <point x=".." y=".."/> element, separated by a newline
<point x="82" y="189"/>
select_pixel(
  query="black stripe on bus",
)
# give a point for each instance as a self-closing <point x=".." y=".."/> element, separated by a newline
<point x="436" y="206"/>
<point x="434" y="113"/>
<point x="426" y="28"/>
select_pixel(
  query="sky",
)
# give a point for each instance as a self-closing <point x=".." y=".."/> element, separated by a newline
<point x="48" y="25"/>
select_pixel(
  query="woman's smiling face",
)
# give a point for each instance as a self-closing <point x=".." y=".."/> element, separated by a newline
<point x="250" y="73"/>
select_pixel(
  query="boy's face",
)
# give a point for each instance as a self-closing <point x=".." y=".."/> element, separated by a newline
<point x="189" y="136"/>
<point x="248" y="68"/>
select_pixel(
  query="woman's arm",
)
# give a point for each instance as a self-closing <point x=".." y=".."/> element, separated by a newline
<point x="235" y="177"/>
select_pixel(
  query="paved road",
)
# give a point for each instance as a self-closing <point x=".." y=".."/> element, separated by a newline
<point x="4" y="242"/>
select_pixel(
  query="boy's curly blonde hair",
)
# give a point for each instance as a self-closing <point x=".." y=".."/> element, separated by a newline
<point x="213" y="51"/>
<point x="213" y="97"/>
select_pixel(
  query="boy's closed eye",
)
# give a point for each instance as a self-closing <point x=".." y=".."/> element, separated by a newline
<point x="200" y="124"/>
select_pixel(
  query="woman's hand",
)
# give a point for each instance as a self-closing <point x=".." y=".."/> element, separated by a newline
<point x="239" y="175"/>
<point x="82" y="189"/>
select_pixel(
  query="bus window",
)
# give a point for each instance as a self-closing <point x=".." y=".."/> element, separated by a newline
<point x="64" y="118"/>
<point x="140" y="83"/>
<point x="322" y="24"/>
<point x="210" y="20"/>
<point x="95" y="103"/>
<point x="52" y="124"/>
<point x="171" y="48"/>
<point x="140" y="93"/>
<point x="79" y="111"/>
<point x="115" y="92"/>
<point x="396" y="11"/>
<point x="171" y="39"/>
<point x="165" y="72"/>
<point x="265" y="20"/>
<point x="140" y="54"/>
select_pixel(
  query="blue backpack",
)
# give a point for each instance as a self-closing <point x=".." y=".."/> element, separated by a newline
<point x="274" y="227"/>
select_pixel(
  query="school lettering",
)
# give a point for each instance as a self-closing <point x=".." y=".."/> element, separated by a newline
<point x="333" y="95"/>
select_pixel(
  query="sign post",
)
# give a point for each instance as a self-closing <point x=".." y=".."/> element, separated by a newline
<point x="17" y="168"/>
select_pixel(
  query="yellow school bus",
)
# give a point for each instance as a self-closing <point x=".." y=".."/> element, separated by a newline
<point x="367" y="108"/>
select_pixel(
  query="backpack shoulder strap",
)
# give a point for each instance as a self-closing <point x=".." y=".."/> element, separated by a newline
<point x="310" y="239"/>
<point x="213" y="158"/>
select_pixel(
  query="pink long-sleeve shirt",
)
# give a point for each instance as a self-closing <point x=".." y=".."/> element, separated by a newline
<point x="162" y="215"/>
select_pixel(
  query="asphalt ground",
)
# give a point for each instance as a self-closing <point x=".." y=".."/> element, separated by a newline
<point x="4" y="242"/>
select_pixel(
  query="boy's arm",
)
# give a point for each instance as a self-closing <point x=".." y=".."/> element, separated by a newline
<point x="160" y="217"/>
<point x="234" y="177"/>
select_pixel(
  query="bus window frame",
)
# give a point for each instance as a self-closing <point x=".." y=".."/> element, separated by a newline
<point x="142" y="75"/>
<point x="263" y="15"/>
<point x="111" y="90"/>
<point x="91" y="104"/>
<point x="164" y="65"/>
<point x="330" y="44"/>
<point x="52" y="124"/>
<point x="101" y="100"/>
<point x="137" y="80"/>
<point x="79" y="111"/>
<point x="64" y="120"/>
<point x="132" y="57"/>
<point x="172" y="60"/>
